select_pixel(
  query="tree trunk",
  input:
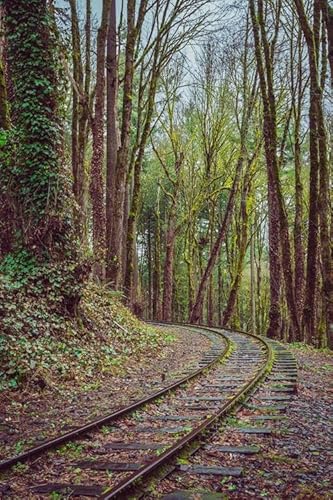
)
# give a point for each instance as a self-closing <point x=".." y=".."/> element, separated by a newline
<point x="157" y="265"/>
<point x="6" y="212"/>
<point x="210" y="303"/>
<point x="319" y="181"/>
<point x="328" y="16"/>
<point x="253" y="286"/>
<point x="278" y="222"/>
<point x="149" y="261"/>
<point x="80" y="115"/>
<point x="83" y="134"/>
<point x="114" y="264"/>
<point x="310" y="304"/>
<point x="4" y="112"/>
<point x="34" y="176"/>
<point x="168" y="267"/>
<point x="76" y="104"/>
<point x="96" y="175"/>
<point x="112" y="126"/>
<point x="298" y="229"/>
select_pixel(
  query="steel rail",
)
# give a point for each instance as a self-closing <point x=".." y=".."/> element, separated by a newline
<point x="128" y="483"/>
<point x="54" y="443"/>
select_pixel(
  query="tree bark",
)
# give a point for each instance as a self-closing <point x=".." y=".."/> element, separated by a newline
<point x="253" y="286"/>
<point x="6" y="212"/>
<point x="278" y="222"/>
<point x="112" y="143"/>
<point x="76" y="104"/>
<point x="319" y="181"/>
<point x="4" y="111"/>
<point x="157" y="263"/>
<point x="168" y="267"/>
<point x="114" y="264"/>
<point x="149" y="261"/>
<point x="328" y="16"/>
<point x="80" y="115"/>
<point x="96" y="175"/>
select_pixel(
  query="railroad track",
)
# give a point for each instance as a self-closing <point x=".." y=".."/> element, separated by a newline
<point x="115" y="456"/>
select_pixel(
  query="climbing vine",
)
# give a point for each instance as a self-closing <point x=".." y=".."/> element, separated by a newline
<point x="38" y="244"/>
<point x="32" y="170"/>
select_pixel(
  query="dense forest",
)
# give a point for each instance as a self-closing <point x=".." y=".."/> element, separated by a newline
<point x="176" y="155"/>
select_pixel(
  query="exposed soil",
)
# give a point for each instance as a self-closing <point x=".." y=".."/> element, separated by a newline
<point x="31" y="416"/>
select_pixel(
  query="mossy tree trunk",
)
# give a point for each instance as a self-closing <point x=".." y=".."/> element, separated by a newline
<point x="5" y="209"/>
<point x="32" y="173"/>
<point x="96" y="174"/>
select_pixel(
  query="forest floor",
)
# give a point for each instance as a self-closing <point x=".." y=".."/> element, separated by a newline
<point x="30" y="416"/>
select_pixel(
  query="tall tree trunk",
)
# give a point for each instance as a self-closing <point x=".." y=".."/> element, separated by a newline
<point x="112" y="143"/>
<point x="278" y="222"/>
<point x="253" y="285"/>
<point x="319" y="179"/>
<point x="6" y="212"/>
<point x="149" y="262"/>
<point x="96" y="175"/>
<point x="220" y="292"/>
<point x="298" y="228"/>
<point x="328" y="16"/>
<point x="157" y="264"/>
<point x="4" y="112"/>
<point x="83" y="133"/>
<point x="76" y="105"/>
<point x="114" y="264"/>
<point x="169" y="266"/>
<point x="324" y="215"/>
<point x="311" y="291"/>
<point x="80" y="114"/>
<point x="34" y="177"/>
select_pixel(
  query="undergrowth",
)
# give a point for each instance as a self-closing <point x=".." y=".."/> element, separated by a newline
<point x="40" y="346"/>
<point x="301" y="346"/>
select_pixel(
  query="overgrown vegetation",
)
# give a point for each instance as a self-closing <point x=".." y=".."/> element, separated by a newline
<point x="40" y="347"/>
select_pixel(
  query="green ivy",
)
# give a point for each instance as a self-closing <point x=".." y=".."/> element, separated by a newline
<point x="32" y="173"/>
<point x="41" y="269"/>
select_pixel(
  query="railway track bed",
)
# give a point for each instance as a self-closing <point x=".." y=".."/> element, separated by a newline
<point x="180" y="430"/>
<point x="32" y="415"/>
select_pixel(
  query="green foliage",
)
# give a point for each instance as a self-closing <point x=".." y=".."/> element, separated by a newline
<point x="17" y="268"/>
<point x="34" y="62"/>
<point x="3" y="138"/>
<point x="71" y="450"/>
<point x="40" y="344"/>
<point x="41" y="271"/>
<point x="56" y="496"/>
<point x="36" y="208"/>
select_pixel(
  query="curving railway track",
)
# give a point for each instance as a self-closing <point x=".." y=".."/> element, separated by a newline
<point x="118" y="455"/>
